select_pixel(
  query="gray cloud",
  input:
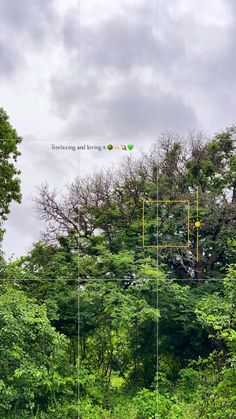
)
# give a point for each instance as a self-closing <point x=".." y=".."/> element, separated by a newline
<point x="134" y="110"/>
<point x="197" y="65"/>
<point x="101" y="91"/>
<point x="174" y="115"/>
<point x="100" y="95"/>
<point x="118" y="43"/>
<point x="27" y="16"/>
<point x="9" y="57"/>
<point x="24" y="25"/>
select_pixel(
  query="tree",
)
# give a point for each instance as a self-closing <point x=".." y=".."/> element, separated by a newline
<point x="10" y="183"/>
<point x="118" y="318"/>
<point x="106" y="209"/>
<point x="35" y="368"/>
<point x="9" y="174"/>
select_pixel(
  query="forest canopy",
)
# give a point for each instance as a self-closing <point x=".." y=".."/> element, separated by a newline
<point x="141" y="332"/>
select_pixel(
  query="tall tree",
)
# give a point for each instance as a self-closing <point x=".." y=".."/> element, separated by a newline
<point x="109" y="218"/>
<point x="9" y="174"/>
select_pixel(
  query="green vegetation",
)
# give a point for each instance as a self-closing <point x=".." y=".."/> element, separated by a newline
<point x="9" y="175"/>
<point x="126" y="308"/>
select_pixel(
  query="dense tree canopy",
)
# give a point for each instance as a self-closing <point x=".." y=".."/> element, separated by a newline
<point x="107" y="211"/>
<point x="35" y="368"/>
<point x="143" y="332"/>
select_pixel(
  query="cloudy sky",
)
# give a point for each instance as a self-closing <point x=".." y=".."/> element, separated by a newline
<point x="97" y="71"/>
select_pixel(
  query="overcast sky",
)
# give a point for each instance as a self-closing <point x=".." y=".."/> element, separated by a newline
<point x="101" y="72"/>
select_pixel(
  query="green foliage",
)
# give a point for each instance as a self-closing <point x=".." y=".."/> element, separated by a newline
<point x="116" y="251"/>
<point x="10" y="184"/>
<point x="9" y="174"/>
<point x="147" y="404"/>
<point x="118" y="332"/>
<point x="44" y="262"/>
<point x="35" y="368"/>
<point x="122" y="297"/>
<point x="205" y="387"/>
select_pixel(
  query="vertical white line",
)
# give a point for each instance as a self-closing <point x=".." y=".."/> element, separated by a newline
<point x="157" y="192"/>
<point x="197" y="238"/>
<point x="143" y="228"/>
<point x="77" y="8"/>
<point x="188" y="223"/>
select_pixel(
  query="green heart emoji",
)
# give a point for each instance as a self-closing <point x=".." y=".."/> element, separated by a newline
<point x="130" y="146"/>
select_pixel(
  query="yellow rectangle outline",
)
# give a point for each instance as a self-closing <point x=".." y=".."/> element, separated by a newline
<point x="166" y="245"/>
